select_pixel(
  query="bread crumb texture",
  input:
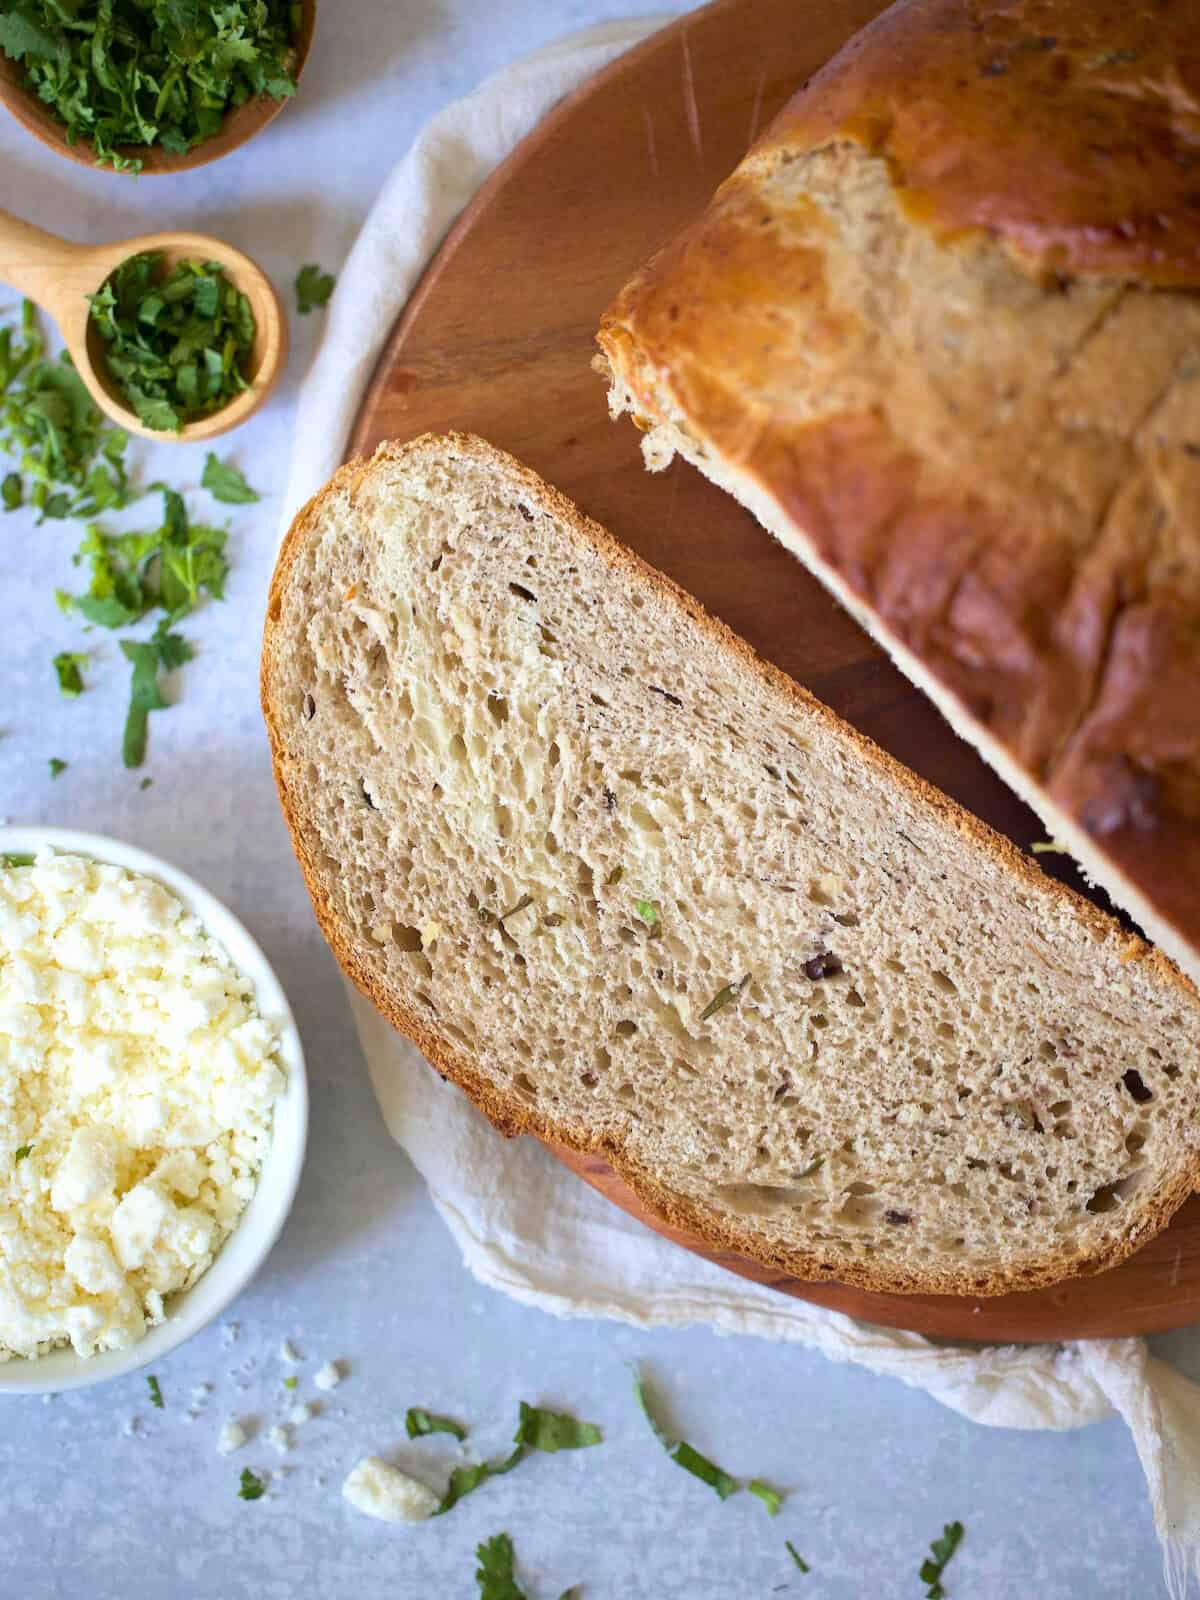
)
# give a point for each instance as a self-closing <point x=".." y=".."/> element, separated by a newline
<point x="640" y="894"/>
<point x="137" y="1082"/>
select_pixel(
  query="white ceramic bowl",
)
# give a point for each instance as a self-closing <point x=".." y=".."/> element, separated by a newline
<point x="248" y="1246"/>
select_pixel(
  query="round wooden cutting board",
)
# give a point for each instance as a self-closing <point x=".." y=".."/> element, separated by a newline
<point x="498" y="340"/>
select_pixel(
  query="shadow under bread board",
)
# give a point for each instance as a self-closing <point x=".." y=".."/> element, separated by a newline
<point x="498" y="339"/>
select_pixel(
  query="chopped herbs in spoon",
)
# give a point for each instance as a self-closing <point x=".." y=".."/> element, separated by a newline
<point x="126" y="73"/>
<point x="176" y="342"/>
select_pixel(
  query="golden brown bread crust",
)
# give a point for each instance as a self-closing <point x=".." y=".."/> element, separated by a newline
<point x="513" y="1118"/>
<point x="999" y="464"/>
<point x="1069" y="128"/>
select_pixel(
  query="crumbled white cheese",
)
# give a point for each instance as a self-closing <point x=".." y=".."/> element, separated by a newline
<point x="380" y="1491"/>
<point x="231" y="1437"/>
<point x="300" y="1414"/>
<point x="135" y="1066"/>
<point x="289" y="1353"/>
<point x="329" y="1376"/>
<point x="279" y="1438"/>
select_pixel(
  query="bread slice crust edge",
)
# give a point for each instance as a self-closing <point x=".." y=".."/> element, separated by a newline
<point x="713" y="1232"/>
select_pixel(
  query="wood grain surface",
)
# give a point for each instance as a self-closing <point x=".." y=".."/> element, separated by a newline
<point x="498" y="339"/>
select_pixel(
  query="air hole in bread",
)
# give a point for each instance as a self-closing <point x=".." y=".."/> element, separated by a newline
<point x="1135" y="1142"/>
<point x="405" y="937"/>
<point x="1110" y="1195"/>
<point x="943" y="981"/>
<point x="625" y="1029"/>
<point x="309" y="706"/>
<point x="1136" y="1086"/>
<point x="625" y="1091"/>
<point x="1170" y="1071"/>
<point x="524" y="1086"/>
<point x="522" y="593"/>
<point x="894" y="966"/>
<point x="498" y="707"/>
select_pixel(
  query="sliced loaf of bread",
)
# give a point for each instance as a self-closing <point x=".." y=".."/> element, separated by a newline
<point x="637" y="892"/>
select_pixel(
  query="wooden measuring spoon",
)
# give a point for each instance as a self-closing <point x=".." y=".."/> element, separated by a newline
<point x="59" y="276"/>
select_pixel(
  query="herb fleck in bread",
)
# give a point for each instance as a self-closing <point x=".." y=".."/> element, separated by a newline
<point x="637" y="892"/>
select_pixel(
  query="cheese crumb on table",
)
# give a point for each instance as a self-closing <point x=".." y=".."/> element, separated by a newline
<point x="300" y="1414"/>
<point x="136" y="1069"/>
<point x="231" y="1437"/>
<point x="329" y="1376"/>
<point x="280" y="1438"/>
<point x="381" y="1491"/>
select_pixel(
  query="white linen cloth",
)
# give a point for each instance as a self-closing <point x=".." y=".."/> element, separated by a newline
<point x="524" y="1224"/>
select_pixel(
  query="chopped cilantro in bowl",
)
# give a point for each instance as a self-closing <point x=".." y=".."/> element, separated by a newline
<point x="126" y="80"/>
<point x="175" y="343"/>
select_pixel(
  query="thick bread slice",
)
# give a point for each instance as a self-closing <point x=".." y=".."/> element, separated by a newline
<point x="637" y="892"/>
<point x="940" y="333"/>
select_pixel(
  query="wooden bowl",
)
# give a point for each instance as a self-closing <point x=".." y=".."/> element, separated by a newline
<point x="238" y="128"/>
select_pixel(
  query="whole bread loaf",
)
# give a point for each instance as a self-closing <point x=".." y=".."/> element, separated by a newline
<point x="637" y="892"/>
<point x="940" y="332"/>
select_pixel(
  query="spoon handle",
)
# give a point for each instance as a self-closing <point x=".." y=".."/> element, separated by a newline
<point x="37" y="264"/>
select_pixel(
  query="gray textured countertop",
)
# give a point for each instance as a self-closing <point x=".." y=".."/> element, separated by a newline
<point x="365" y="1271"/>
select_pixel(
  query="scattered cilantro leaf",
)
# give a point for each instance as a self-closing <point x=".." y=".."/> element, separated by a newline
<point x="725" y="997"/>
<point x="67" y="667"/>
<point x="313" y="288"/>
<point x="13" y="858"/>
<point x="288" y="1383"/>
<point x="23" y="1151"/>
<point x="554" y="1430"/>
<point x="162" y="650"/>
<point x="57" y="766"/>
<point x="176" y="342"/>
<point x="252" y="1486"/>
<point x="771" y="1498"/>
<point x="494" y="1574"/>
<point x="156" y="1394"/>
<point x="150" y="72"/>
<point x="935" y="1565"/>
<point x="647" y="912"/>
<point x="225" y="482"/>
<point x="420" y="1424"/>
<point x="66" y="461"/>
<point x="683" y="1454"/>
<point x="796" y="1556"/>
<point x="465" y="1480"/>
<point x="145" y="784"/>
